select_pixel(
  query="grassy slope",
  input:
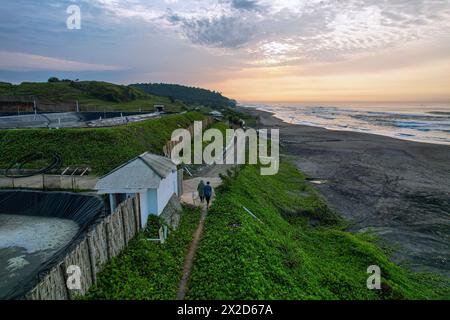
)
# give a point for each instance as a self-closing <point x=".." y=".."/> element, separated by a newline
<point x="147" y="270"/>
<point x="93" y="95"/>
<point x="285" y="257"/>
<point x="102" y="149"/>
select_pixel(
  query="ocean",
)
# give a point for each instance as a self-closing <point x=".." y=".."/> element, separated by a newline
<point x="428" y="123"/>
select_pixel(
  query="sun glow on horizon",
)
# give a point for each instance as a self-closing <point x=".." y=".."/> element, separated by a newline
<point x="251" y="50"/>
<point x="393" y="75"/>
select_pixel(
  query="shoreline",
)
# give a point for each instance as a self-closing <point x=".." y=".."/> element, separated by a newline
<point x="405" y="138"/>
<point x="398" y="188"/>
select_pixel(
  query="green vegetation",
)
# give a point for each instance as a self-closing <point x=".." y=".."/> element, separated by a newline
<point x="147" y="270"/>
<point x="101" y="149"/>
<point x="298" y="251"/>
<point x="234" y="117"/>
<point x="221" y="126"/>
<point x="109" y="92"/>
<point x="91" y="95"/>
<point x="188" y="95"/>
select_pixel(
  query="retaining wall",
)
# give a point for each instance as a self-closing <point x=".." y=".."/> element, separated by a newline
<point x="50" y="182"/>
<point x="167" y="149"/>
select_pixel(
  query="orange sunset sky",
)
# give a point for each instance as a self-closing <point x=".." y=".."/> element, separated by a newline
<point x="250" y="50"/>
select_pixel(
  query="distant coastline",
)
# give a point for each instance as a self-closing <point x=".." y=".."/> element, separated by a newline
<point x="429" y="124"/>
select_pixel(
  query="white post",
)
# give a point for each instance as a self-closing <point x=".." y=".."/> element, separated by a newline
<point x="112" y="202"/>
<point x="144" y="209"/>
<point x="35" y="109"/>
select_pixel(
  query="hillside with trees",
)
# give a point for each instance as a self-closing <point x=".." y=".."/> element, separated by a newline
<point x="91" y="95"/>
<point x="189" y="95"/>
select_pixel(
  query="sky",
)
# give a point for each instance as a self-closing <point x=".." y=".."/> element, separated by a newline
<point x="250" y="50"/>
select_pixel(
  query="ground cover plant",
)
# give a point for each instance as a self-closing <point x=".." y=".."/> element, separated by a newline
<point x="296" y="248"/>
<point x="147" y="270"/>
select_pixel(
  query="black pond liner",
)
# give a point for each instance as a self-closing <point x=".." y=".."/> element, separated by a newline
<point x="85" y="210"/>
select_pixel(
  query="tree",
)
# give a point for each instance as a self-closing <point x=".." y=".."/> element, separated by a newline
<point x="53" y="79"/>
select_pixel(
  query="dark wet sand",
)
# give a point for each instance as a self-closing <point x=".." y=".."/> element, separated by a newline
<point x="397" y="188"/>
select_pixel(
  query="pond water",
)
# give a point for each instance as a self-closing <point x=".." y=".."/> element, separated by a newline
<point x="26" y="242"/>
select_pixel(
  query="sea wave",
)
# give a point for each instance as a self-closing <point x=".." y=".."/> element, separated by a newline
<point x="432" y="126"/>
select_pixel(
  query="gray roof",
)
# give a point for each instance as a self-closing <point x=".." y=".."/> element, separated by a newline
<point x="161" y="165"/>
<point x="143" y="172"/>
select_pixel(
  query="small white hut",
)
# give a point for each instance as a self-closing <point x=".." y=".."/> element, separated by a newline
<point x="217" y="114"/>
<point x="154" y="178"/>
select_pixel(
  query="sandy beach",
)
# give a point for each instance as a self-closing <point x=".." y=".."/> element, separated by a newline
<point x="399" y="189"/>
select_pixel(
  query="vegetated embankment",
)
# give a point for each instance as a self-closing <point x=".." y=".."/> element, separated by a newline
<point x="101" y="149"/>
<point x="298" y="249"/>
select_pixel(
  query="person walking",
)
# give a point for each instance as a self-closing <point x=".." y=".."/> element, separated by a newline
<point x="201" y="191"/>
<point x="208" y="193"/>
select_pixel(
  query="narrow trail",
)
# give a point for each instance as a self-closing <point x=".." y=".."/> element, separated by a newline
<point x="190" y="196"/>
<point x="189" y="261"/>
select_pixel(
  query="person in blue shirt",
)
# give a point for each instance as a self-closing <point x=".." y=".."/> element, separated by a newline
<point x="208" y="193"/>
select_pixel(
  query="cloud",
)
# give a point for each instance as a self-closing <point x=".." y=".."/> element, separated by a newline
<point x="15" y="61"/>
<point x="249" y="5"/>
<point x="223" y="31"/>
<point x="194" y="39"/>
<point x="306" y="29"/>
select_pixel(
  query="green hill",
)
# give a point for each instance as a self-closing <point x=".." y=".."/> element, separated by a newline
<point x="189" y="95"/>
<point x="102" y="149"/>
<point x="91" y="95"/>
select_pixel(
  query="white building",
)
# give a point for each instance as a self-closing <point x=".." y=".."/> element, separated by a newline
<point x="154" y="178"/>
<point x="216" y="114"/>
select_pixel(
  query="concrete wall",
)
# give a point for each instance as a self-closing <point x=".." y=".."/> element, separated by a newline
<point x="167" y="188"/>
<point x="49" y="182"/>
<point x="149" y="204"/>
<point x="171" y="214"/>
<point x="103" y="241"/>
<point x="153" y="201"/>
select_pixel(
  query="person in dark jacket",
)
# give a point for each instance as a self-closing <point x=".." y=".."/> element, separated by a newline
<point x="201" y="191"/>
<point x="208" y="193"/>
